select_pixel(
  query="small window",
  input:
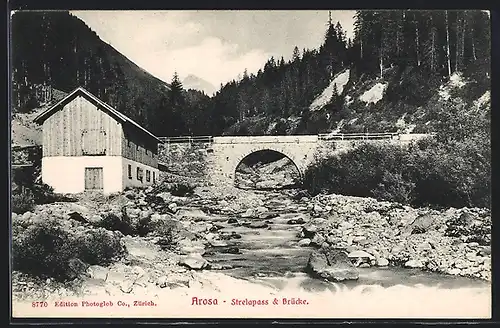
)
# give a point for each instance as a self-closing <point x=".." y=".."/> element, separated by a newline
<point x="139" y="174"/>
<point x="148" y="176"/>
<point x="130" y="171"/>
<point x="154" y="176"/>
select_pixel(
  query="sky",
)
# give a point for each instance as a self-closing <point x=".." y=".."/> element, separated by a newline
<point x="214" y="45"/>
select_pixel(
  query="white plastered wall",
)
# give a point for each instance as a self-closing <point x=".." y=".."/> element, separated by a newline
<point x="67" y="174"/>
<point x="133" y="181"/>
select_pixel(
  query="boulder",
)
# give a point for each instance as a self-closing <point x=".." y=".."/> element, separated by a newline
<point x="360" y="257"/>
<point x="485" y="251"/>
<point x="162" y="281"/>
<point x="304" y="242"/>
<point x="184" y="250"/>
<point x="130" y="194"/>
<point x="232" y="235"/>
<point x="248" y="213"/>
<point x="382" y="262"/>
<point x="261" y="209"/>
<point x="77" y="217"/>
<point x="360" y="254"/>
<point x="258" y="225"/>
<point x="76" y="267"/>
<point x="309" y="230"/>
<point x="195" y="262"/>
<point x="267" y="215"/>
<point x="317" y="208"/>
<point x="318" y="240"/>
<point x="298" y="220"/>
<point x="414" y="264"/>
<point x="228" y="250"/>
<point x="358" y="239"/>
<point x="26" y="215"/>
<point x="98" y="272"/>
<point x="331" y="264"/>
<point x="217" y="243"/>
<point x="422" y="223"/>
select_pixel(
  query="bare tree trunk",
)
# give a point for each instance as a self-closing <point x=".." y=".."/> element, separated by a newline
<point x="462" y="43"/>
<point x="361" y="46"/>
<point x="448" y="43"/>
<point x="381" y="64"/>
<point x="473" y="45"/>
<point x="417" y="45"/>
<point x="457" y="45"/>
<point x="433" y="51"/>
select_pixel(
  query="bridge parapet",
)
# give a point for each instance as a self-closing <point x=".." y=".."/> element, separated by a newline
<point x="293" y="138"/>
<point x="266" y="139"/>
<point x="357" y="136"/>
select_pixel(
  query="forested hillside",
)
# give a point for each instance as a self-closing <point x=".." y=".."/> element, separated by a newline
<point x="396" y="72"/>
<point x="57" y="49"/>
<point x="406" y="56"/>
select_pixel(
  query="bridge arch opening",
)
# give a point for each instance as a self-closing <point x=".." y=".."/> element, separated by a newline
<point x="266" y="169"/>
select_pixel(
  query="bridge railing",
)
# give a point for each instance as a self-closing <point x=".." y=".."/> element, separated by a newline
<point x="187" y="139"/>
<point x="324" y="136"/>
<point x="358" y="136"/>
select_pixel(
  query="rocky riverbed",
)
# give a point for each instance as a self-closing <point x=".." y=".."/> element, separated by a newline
<point x="218" y="237"/>
<point x="276" y="174"/>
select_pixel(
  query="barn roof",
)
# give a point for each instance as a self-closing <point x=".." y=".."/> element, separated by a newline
<point x="81" y="91"/>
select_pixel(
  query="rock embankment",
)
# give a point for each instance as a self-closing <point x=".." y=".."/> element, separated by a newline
<point x="165" y="237"/>
<point x="373" y="233"/>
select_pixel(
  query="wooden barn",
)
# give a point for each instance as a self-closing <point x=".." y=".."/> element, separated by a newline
<point x="90" y="146"/>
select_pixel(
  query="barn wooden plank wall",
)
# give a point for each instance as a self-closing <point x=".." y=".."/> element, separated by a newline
<point x="65" y="130"/>
<point x="140" y="149"/>
<point x="80" y="129"/>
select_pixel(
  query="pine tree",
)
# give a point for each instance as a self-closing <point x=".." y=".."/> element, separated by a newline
<point x="296" y="54"/>
<point x="448" y="44"/>
<point x="176" y="103"/>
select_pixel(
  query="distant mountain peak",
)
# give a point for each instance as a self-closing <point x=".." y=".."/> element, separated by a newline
<point x="197" y="83"/>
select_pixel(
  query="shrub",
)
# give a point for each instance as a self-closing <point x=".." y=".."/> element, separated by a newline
<point x="99" y="247"/>
<point x="181" y="189"/>
<point x="121" y="223"/>
<point x="452" y="173"/>
<point x="160" y="226"/>
<point x="44" y="193"/>
<point x="144" y="226"/>
<point x="364" y="171"/>
<point x="395" y="188"/>
<point x="44" y="249"/>
<point x="22" y="202"/>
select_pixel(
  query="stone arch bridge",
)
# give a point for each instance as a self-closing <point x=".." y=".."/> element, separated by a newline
<point x="222" y="155"/>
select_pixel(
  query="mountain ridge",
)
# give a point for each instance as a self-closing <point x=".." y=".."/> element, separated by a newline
<point x="194" y="82"/>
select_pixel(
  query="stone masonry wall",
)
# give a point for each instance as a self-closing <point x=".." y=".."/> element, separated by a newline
<point x="186" y="159"/>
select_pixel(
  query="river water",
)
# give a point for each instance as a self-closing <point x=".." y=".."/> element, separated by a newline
<point x="272" y="257"/>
